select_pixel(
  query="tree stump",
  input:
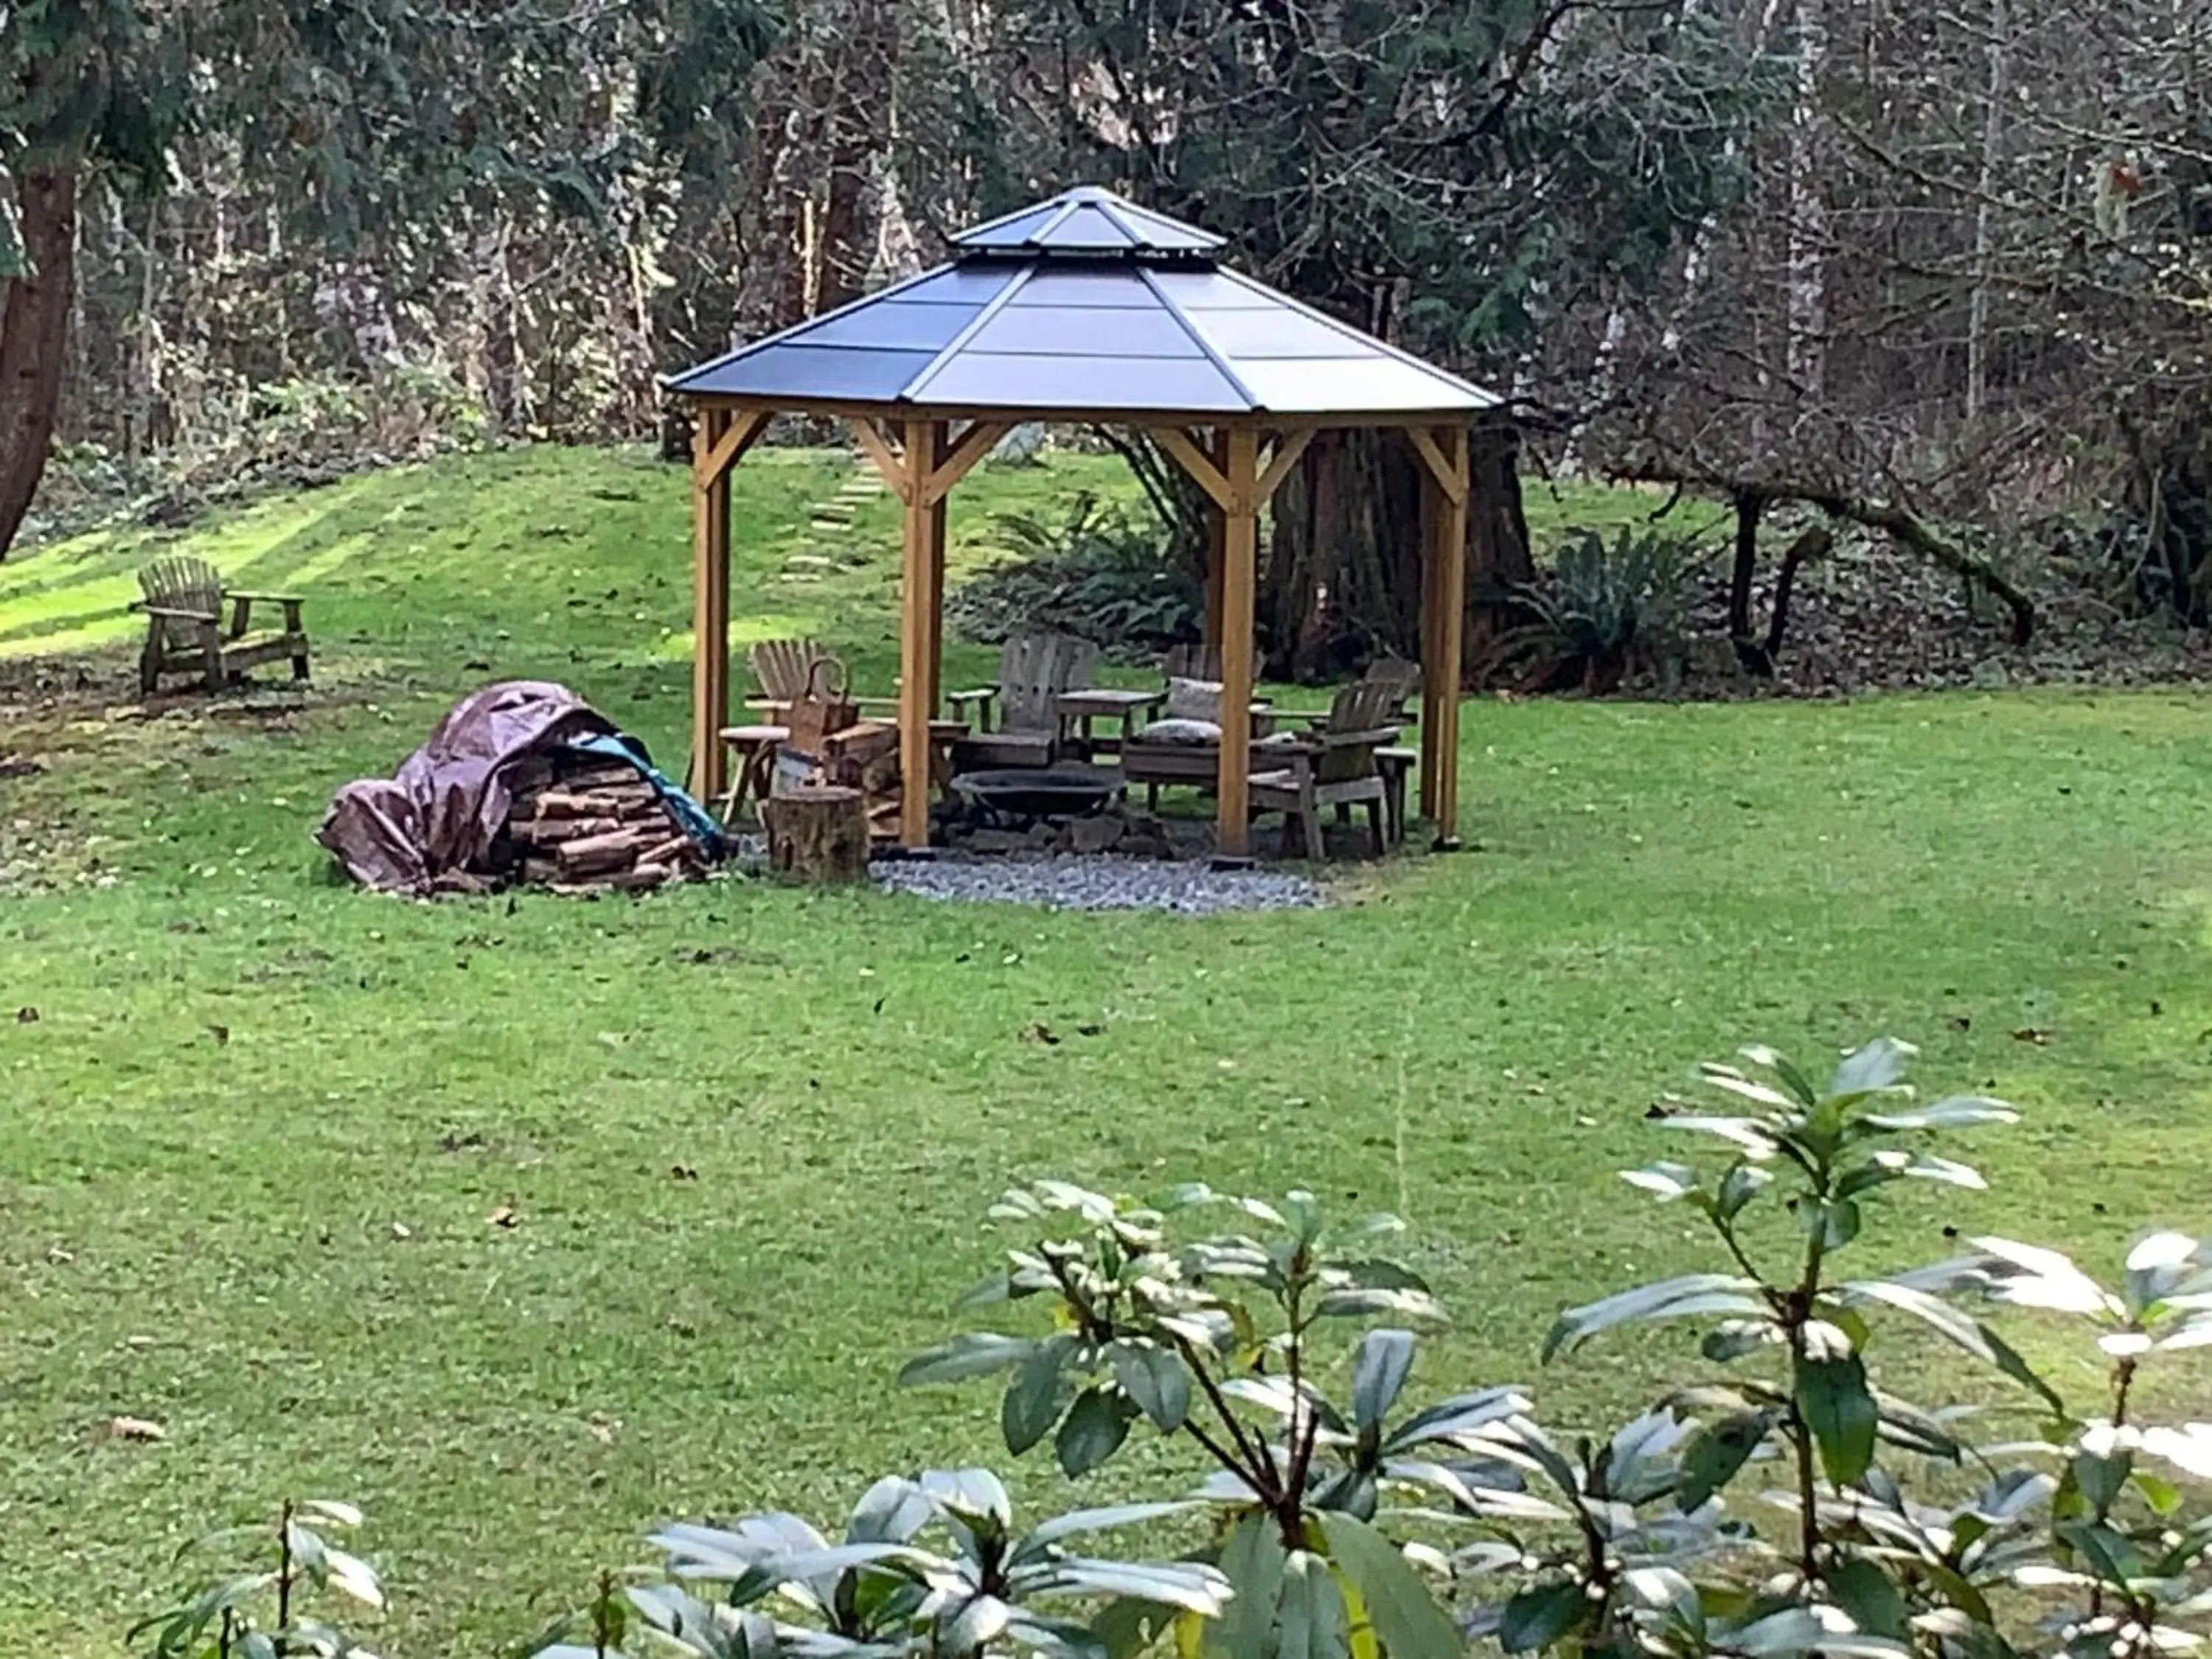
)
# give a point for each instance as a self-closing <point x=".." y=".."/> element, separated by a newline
<point x="818" y="833"/>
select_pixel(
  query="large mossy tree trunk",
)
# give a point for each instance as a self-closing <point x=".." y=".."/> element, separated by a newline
<point x="34" y="315"/>
<point x="1343" y="579"/>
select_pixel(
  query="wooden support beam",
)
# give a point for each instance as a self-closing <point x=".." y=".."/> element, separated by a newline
<point x="1240" y="565"/>
<point x="894" y="466"/>
<point x="980" y="439"/>
<point x="1195" y="461"/>
<point x="743" y="431"/>
<point x="1435" y="457"/>
<point x="1443" y="633"/>
<point x="921" y="596"/>
<point x="716" y="434"/>
<point x="1217" y="541"/>
<point x="1290" y="448"/>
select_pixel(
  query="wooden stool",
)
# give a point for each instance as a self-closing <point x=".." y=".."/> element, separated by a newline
<point x="818" y="832"/>
<point x="1394" y="763"/>
<point x="755" y="747"/>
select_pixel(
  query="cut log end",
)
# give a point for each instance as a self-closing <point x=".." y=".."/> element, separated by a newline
<point x="818" y="834"/>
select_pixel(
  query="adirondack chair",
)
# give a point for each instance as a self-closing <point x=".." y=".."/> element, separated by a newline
<point x="1333" y="767"/>
<point x="1404" y="679"/>
<point x="1192" y="662"/>
<point x="1016" y="721"/>
<point x="782" y="667"/>
<point x="184" y="631"/>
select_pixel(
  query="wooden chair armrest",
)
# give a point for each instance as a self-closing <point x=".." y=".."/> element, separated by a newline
<point x="982" y="697"/>
<point x="268" y="599"/>
<point x="1378" y="738"/>
<point x="170" y="613"/>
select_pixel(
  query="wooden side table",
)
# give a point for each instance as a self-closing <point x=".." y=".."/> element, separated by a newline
<point x="1128" y="709"/>
<point x="754" y="749"/>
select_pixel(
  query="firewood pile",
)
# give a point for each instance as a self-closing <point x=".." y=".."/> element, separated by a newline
<point x="579" y="824"/>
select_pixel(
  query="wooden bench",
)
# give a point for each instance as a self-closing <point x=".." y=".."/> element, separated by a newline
<point x="185" y="632"/>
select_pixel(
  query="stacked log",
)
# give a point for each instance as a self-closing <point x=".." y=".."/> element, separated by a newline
<point x="579" y="824"/>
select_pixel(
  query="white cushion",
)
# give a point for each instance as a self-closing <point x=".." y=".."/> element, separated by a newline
<point x="1180" y="731"/>
<point x="1194" y="700"/>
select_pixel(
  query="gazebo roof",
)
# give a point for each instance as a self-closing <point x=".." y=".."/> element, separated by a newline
<point x="1085" y="304"/>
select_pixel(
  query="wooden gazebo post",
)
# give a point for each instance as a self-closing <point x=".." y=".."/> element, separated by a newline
<point x="719" y="436"/>
<point x="1445" y="485"/>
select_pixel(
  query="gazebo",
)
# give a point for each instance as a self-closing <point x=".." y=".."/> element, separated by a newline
<point x="1087" y="309"/>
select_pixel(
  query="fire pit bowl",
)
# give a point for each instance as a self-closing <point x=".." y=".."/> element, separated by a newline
<point x="1051" y="792"/>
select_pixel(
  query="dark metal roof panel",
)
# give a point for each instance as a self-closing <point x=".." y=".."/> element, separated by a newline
<point x="825" y="373"/>
<point x="1378" y="385"/>
<point x="959" y="285"/>
<point x="982" y="379"/>
<point x="1108" y="288"/>
<point x="893" y="325"/>
<point x="1084" y="331"/>
<point x="1261" y="334"/>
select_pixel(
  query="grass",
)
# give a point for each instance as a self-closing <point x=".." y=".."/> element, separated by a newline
<point x="241" y="1076"/>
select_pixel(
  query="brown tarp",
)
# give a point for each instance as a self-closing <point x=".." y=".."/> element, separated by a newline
<point x="427" y="829"/>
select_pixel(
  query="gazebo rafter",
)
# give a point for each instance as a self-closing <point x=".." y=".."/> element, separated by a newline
<point x="1087" y="310"/>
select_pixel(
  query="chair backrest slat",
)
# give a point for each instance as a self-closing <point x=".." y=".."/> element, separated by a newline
<point x="1194" y="662"/>
<point x="1365" y="705"/>
<point x="1034" y="670"/>
<point x="1403" y="678"/>
<point x="782" y="665"/>
<point x="176" y="582"/>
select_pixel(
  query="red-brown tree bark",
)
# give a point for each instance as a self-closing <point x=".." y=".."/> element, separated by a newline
<point x="34" y="314"/>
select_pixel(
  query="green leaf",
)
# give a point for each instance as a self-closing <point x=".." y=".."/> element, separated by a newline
<point x="1379" y="1370"/>
<point x="1405" y="1613"/>
<point x="1255" y="1562"/>
<point x="1879" y="1065"/>
<point x="1738" y="1187"/>
<point x="1970" y="1334"/>
<point x="1958" y="1112"/>
<point x="1839" y="1410"/>
<point x="1692" y="1293"/>
<point x="1710" y="1461"/>
<point x="976" y="1354"/>
<point x="2110" y="1556"/>
<point x="1093" y="1429"/>
<point x="1365" y="1302"/>
<point x="1836" y="1222"/>
<point x="1864" y="1591"/>
<point x="2102" y="1480"/>
<point x="1537" y="1617"/>
<point x="2162" y="1495"/>
<point x="1793" y="1080"/>
<point x="1156" y="1379"/>
<point x="1032" y="1401"/>
<point x="1311" y="1616"/>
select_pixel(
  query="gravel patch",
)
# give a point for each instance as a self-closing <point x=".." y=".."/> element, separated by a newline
<point x="1099" y="884"/>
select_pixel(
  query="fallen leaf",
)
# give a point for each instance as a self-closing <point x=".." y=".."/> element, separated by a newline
<point x="1042" y="1033"/>
<point x="136" y="1428"/>
<point x="1962" y="1022"/>
<point x="2034" y="1034"/>
<point x="504" y="1216"/>
<point x="400" y="1230"/>
<point x="221" y="1033"/>
<point x="1091" y="1030"/>
<point x="682" y="1172"/>
<point x="27" y="1017"/>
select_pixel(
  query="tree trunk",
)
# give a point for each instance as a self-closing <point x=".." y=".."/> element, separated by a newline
<point x="34" y="313"/>
<point x="1750" y="507"/>
<point x="1344" y="566"/>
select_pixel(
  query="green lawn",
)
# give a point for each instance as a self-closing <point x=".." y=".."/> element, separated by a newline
<point x="253" y="1134"/>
